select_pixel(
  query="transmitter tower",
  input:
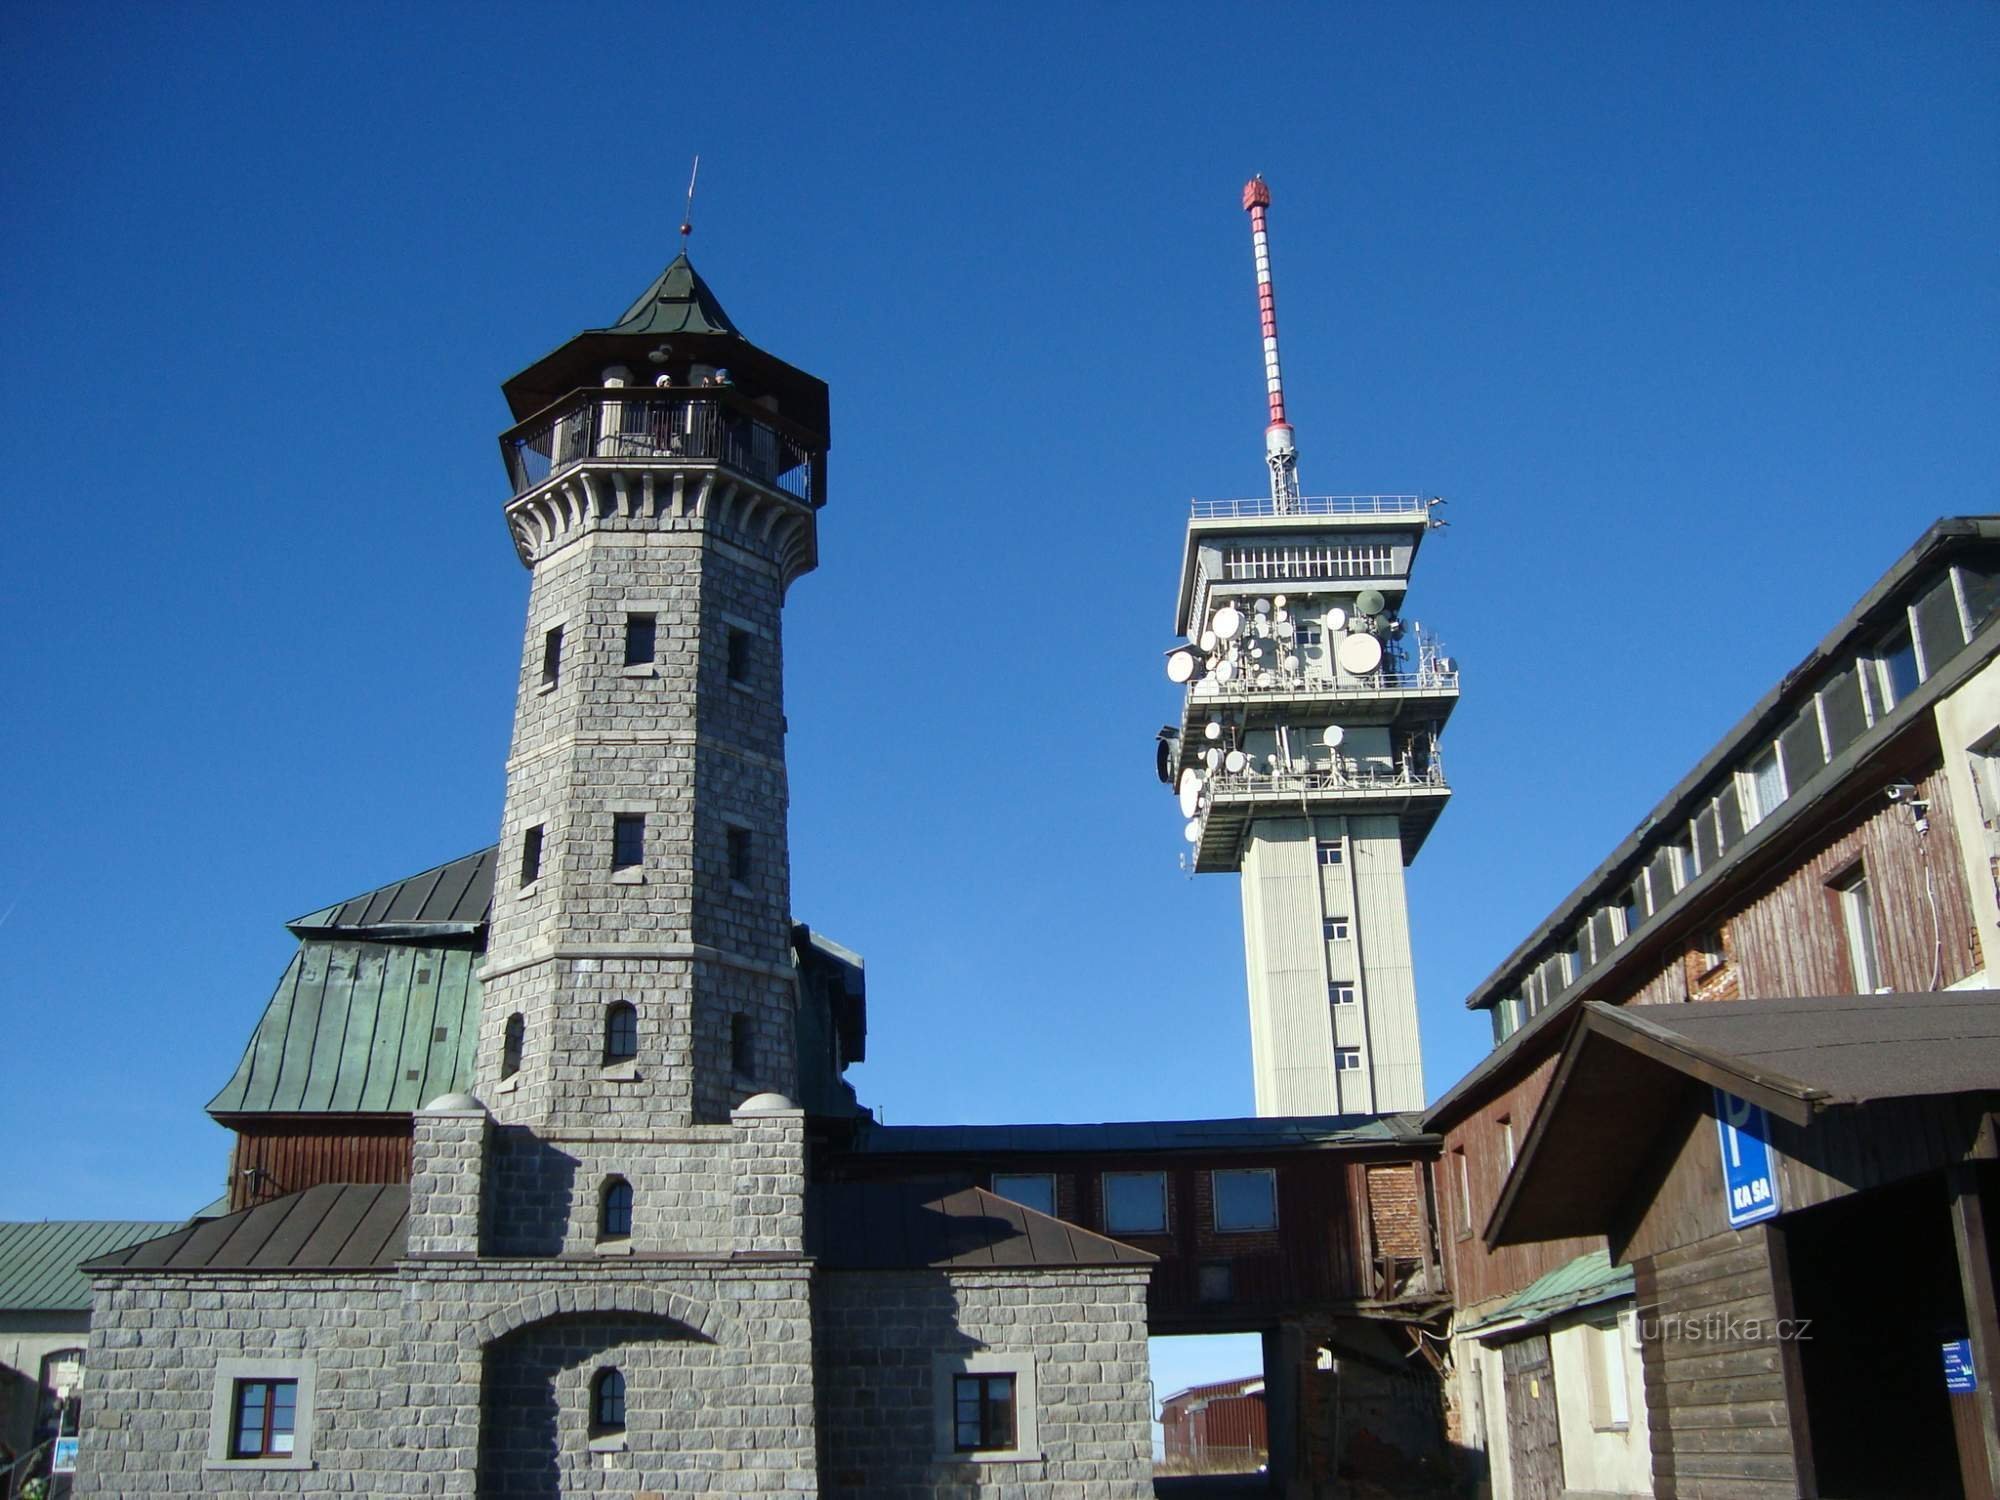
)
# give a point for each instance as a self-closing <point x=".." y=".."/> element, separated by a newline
<point x="1306" y="758"/>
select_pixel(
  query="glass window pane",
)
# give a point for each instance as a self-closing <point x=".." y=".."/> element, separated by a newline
<point x="1036" y="1190"/>
<point x="1135" y="1202"/>
<point x="1246" y="1199"/>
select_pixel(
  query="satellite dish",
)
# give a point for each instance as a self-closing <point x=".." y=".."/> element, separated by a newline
<point x="1263" y="626"/>
<point x="1212" y="757"/>
<point x="1336" y="619"/>
<point x="1370" y="602"/>
<point x="1209" y="641"/>
<point x="1190" y="792"/>
<point x="1285" y="630"/>
<point x="1446" y="664"/>
<point x="1227" y="623"/>
<point x="1225" y="670"/>
<point x="1291" y="664"/>
<point x="1278" y="601"/>
<point x="1265" y="679"/>
<point x="1214" y="729"/>
<point x="1234" y="762"/>
<point x="1166" y="748"/>
<point x="1262" y="607"/>
<point x="1333" y="736"/>
<point x="1359" y="654"/>
<point x="1192" y="833"/>
<point x="1271" y="761"/>
<point x="1180" y="666"/>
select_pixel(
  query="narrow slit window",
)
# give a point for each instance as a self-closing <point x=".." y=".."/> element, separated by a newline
<point x="1857" y="919"/>
<point x="742" y="1048"/>
<point x="552" y="640"/>
<point x="641" y="639"/>
<point x="511" y="1038"/>
<point x="531" y="855"/>
<point x="614" y="1210"/>
<point x="628" y="841"/>
<point x="739" y="855"/>
<point x="739" y="655"/>
<point x="621" y="1031"/>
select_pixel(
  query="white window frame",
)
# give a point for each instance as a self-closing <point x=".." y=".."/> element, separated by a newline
<point x="222" y="1411"/>
<point x="1857" y="920"/>
<point x="1269" y="1175"/>
<point x="1610" y="1391"/>
<point x="1020" y="1363"/>
<point x="1338" y="929"/>
<point x="1012" y="1177"/>
<point x="1330" y="852"/>
<point x="1507" y="1140"/>
<point x="1165" y="1219"/>
<point x="1748" y="794"/>
<point x="1347" y="1059"/>
<point x="1341" y="992"/>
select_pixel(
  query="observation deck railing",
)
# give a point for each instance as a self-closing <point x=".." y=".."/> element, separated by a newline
<point x="1249" y="686"/>
<point x="714" y="425"/>
<point x="1311" y="505"/>
<point x="1293" y="780"/>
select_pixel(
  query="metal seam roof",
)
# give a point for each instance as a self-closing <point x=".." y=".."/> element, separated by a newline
<point x="1247" y="1134"/>
<point x="454" y="898"/>
<point x="39" y="1262"/>
<point x="339" y="1226"/>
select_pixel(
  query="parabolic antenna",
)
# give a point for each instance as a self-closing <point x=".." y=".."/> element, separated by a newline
<point x="1192" y="833"/>
<point x="1284" y="629"/>
<point x="1359" y="654"/>
<point x="1369" y="602"/>
<point x="1180" y="666"/>
<point x="1212" y="757"/>
<point x="1333" y="736"/>
<point x="1263" y="626"/>
<point x="1262" y="607"/>
<point x="1227" y="623"/>
<point x="1234" y="762"/>
<point x="1190" y="793"/>
<point x="1209" y="641"/>
<point x="1291" y="664"/>
<point x="1278" y="601"/>
<point x="1265" y="679"/>
<point x="1447" y="664"/>
<point x="1225" y="670"/>
<point x="1336" y="619"/>
<point x="1214" y="729"/>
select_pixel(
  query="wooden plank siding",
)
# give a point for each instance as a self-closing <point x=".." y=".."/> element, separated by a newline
<point x="272" y="1158"/>
<point x="1789" y="939"/>
<point x="1717" y="1391"/>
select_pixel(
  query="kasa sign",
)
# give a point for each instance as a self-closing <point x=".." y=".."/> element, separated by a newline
<point x="1749" y="1178"/>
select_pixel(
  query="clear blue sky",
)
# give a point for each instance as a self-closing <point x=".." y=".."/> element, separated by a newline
<point x="1688" y="309"/>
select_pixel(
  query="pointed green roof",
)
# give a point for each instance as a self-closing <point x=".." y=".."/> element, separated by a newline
<point x="679" y="301"/>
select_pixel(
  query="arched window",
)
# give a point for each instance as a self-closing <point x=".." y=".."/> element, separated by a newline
<point x="614" y="1209"/>
<point x="607" y="1401"/>
<point x="742" y="1052"/>
<point x="510" y="1045"/>
<point x="621" y="1031"/>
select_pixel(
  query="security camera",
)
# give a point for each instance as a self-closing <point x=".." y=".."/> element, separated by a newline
<point x="1898" y="790"/>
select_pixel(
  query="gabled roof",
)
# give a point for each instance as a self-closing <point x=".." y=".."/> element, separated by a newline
<point x="878" y="1226"/>
<point x="339" y="1226"/>
<point x="678" y="301"/>
<point x="1253" y="1134"/>
<point x="360" y="1027"/>
<point x="449" y="900"/>
<point x="41" y="1264"/>
<point x="1625" y="1071"/>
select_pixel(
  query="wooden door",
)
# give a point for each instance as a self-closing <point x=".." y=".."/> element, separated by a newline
<point x="1534" y="1440"/>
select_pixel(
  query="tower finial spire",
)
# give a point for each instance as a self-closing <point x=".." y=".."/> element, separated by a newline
<point x="1279" y="451"/>
<point x="687" y="218"/>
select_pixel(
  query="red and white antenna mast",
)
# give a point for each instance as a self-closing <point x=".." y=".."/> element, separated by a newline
<point x="1279" y="452"/>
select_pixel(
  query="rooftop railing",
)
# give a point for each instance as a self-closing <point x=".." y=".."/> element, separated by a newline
<point x="1347" y="777"/>
<point x="1311" y="505"/>
<point x="1298" y="682"/>
<point x="634" y="424"/>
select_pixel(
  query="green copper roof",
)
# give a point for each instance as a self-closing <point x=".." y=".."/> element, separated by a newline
<point x="38" y="1262"/>
<point x="1577" y="1283"/>
<point x="365" y="1027"/>
<point x="678" y="302"/>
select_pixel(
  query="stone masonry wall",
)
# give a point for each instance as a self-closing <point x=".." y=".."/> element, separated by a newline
<point x="447" y="1165"/>
<point x="542" y="1193"/>
<point x="878" y="1333"/>
<point x="155" y="1346"/>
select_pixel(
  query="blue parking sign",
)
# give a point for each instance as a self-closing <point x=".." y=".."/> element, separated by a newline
<point x="1749" y="1179"/>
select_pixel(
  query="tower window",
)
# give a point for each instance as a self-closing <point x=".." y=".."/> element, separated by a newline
<point x="742" y="1049"/>
<point x="628" y="840"/>
<point x="1336" y="929"/>
<point x="607" y="1402"/>
<point x="1343" y="993"/>
<point x="1333" y="851"/>
<point x="739" y="655"/>
<point x="739" y="855"/>
<point x="510" y="1044"/>
<point x="1347" y="1059"/>
<point x="621" y="1031"/>
<point x="552" y="639"/>
<point x="531" y="855"/>
<point x="614" y="1210"/>
<point x="641" y="637"/>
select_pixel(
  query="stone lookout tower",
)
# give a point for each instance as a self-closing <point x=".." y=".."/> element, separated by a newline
<point x="1306" y="757"/>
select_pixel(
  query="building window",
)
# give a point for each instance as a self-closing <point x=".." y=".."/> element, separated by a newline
<point x="1135" y="1202"/>
<point x="1896" y="669"/>
<point x="739" y="655"/>
<point x="264" y="1420"/>
<point x="1333" y="851"/>
<point x="1342" y="992"/>
<point x="1311" y="636"/>
<point x="1576" y="958"/>
<point x="511" y="1037"/>
<point x="641" y="639"/>
<point x="552" y="656"/>
<point x="982" y="1413"/>
<point x="739" y="855"/>
<point x="1036" y="1190"/>
<point x="621" y="1031"/>
<point x="1507" y="1141"/>
<point x="607" y="1402"/>
<point x="531" y="855"/>
<point x="1765" y="787"/>
<point x="1213" y="1282"/>
<point x="1857" y="919"/>
<point x="1632" y="907"/>
<point x="1347" y="1059"/>
<point x="1245" y="1199"/>
<point x="261" y="1414"/>
<point x="1464" y="1174"/>
<point x="1268" y="564"/>
<point x="1336" y="929"/>
<point x="628" y="840"/>
<point x="742" y="1048"/>
<point x="1709" y="952"/>
<point x="1610" y="1400"/>
<point x="614" y="1209"/>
